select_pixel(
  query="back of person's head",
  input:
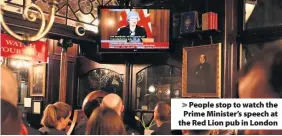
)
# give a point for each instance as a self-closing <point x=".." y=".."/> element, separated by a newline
<point x="261" y="76"/>
<point x="9" y="86"/>
<point x="113" y="101"/>
<point x="196" y="132"/>
<point x="11" y="123"/>
<point x="54" y="112"/>
<point x="90" y="106"/>
<point x="105" y="121"/>
<point x="162" y="112"/>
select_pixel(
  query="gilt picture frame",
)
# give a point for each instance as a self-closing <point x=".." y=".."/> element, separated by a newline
<point x="201" y="71"/>
<point x="38" y="80"/>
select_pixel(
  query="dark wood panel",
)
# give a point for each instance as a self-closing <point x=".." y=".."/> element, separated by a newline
<point x="55" y="80"/>
<point x="54" y="72"/>
<point x="85" y="65"/>
<point x="71" y="83"/>
<point x="72" y="52"/>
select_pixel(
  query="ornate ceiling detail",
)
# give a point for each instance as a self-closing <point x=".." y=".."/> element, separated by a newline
<point x="69" y="12"/>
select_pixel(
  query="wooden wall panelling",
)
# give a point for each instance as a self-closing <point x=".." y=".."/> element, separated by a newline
<point x="54" y="72"/>
<point x="230" y="48"/>
<point x="137" y="68"/>
<point x="85" y="65"/>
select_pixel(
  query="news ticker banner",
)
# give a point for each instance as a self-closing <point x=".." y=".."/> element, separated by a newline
<point x="141" y="45"/>
<point x="226" y="114"/>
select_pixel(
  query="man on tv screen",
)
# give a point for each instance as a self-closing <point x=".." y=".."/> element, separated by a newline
<point x="132" y="29"/>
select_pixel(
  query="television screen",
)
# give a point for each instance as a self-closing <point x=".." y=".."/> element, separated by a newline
<point x="134" y="29"/>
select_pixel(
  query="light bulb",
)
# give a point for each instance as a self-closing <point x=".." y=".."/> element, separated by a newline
<point x="168" y="92"/>
<point x="152" y="89"/>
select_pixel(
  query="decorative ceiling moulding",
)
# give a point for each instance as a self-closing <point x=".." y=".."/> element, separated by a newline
<point x="68" y="12"/>
<point x="30" y="16"/>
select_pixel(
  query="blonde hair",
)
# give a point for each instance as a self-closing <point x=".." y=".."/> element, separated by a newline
<point x="54" y="112"/>
<point x="105" y="121"/>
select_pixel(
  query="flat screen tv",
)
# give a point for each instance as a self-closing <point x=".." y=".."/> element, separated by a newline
<point x="134" y="29"/>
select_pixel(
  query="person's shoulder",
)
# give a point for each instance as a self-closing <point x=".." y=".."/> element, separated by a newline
<point x="140" y="27"/>
<point x="123" y="28"/>
<point x="51" y="131"/>
<point x="80" y="128"/>
<point x="207" y="64"/>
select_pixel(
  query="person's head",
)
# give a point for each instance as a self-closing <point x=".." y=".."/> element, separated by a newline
<point x="90" y="106"/>
<point x="162" y="112"/>
<point x="261" y="77"/>
<point x="196" y="132"/>
<point x="9" y="86"/>
<point x="133" y="18"/>
<point x="187" y="22"/>
<point x="11" y="121"/>
<point x="113" y="101"/>
<point x="203" y="58"/>
<point x="105" y="121"/>
<point x="56" y="115"/>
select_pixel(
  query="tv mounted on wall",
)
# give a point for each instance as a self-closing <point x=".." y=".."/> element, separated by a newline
<point x="134" y="29"/>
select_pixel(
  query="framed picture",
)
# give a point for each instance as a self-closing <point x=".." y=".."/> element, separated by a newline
<point x="38" y="80"/>
<point x="201" y="71"/>
<point x="36" y="107"/>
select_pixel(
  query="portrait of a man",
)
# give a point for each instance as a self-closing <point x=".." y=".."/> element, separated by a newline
<point x="201" y="71"/>
<point x="189" y="21"/>
<point x="132" y="29"/>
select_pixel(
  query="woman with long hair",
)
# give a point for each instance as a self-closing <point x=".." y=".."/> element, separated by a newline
<point x="55" y="119"/>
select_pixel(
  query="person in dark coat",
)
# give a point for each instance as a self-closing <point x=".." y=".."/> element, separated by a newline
<point x="202" y="73"/>
<point x="89" y="107"/>
<point x="30" y="130"/>
<point x="132" y="29"/>
<point x="162" y="115"/>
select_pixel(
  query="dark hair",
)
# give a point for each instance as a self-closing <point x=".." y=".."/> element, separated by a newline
<point x="199" y="132"/>
<point x="163" y="111"/>
<point x="105" y="121"/>
<point x="10" y="119"/>
<point x="270" y="59"/>
<point x="90" y="106"/>
<point x="53" y="112"/>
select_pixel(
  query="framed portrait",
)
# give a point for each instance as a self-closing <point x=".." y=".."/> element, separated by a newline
<point x="38" y="80"/>
<point x="201" y="71"/>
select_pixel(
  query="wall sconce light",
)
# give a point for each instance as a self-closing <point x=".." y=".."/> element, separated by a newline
<point x="152" y="89"/>
<point x="249" y="8"/>
<point x="168" y="92"/>
<point x="176" y="92"/>
<point x="31" y="16"/>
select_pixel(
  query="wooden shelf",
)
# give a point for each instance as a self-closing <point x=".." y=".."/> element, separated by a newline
<point x="260" y="35"/>
<point x="201" y="34"/>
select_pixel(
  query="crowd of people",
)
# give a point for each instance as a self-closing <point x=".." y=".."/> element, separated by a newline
<point x="260" y="78"/>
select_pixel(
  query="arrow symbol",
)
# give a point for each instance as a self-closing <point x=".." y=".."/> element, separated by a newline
<point x="184" y="105"/>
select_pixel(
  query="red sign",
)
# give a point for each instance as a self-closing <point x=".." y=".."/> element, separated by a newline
<point x="12" y="48"/>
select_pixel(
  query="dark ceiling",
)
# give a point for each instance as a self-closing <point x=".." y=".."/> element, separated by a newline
<point x="178" y="5"/>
